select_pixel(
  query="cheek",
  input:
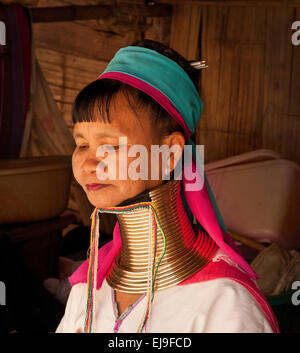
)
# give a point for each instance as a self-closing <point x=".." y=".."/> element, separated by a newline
<point x="76" y="166"/>
<point x="130" y="188"/>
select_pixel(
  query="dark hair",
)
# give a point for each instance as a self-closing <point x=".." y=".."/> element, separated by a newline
<point x="102" y="91"/>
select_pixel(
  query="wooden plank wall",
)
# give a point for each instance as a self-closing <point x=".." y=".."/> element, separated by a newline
<point x="73" y="54"/>
<point x="251" y="89"/>
<point x="66" y="75"/>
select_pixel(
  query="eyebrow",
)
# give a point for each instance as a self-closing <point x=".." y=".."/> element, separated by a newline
<point x="99" y="134"/>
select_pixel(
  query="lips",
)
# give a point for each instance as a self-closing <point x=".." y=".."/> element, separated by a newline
<point x="94" y="187"/>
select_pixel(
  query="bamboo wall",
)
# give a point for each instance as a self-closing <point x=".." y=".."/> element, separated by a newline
<point x="250" y="90"/>
<point x="73" y="54"/>
<point x="252" y="86"/>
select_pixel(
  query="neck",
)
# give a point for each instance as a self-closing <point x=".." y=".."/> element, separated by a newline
<point x="184" y="250"/>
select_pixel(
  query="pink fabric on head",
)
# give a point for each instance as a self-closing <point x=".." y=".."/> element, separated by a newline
<point x="202" y="208"/>
<point x="198" y="201"/>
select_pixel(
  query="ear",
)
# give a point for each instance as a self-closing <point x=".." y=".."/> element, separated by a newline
<point x="175" y="141"/>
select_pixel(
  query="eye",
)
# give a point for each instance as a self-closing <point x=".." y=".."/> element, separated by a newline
<point x="82" y="147"/>
<point x="107" y="148"/>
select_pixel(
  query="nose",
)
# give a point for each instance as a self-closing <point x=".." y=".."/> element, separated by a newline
<point x="89" y="165"/>
<point x="90" y="162"/>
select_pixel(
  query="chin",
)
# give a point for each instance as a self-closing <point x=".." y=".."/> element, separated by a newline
<point x="104" y="199"/>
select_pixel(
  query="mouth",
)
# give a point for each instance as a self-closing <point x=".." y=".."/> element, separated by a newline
<point x="94" y="187"/>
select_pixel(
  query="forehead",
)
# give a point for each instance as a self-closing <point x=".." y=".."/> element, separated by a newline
<point x="124" y="121"/>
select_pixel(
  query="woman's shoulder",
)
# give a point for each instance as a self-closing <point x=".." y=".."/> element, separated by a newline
<point x="217" y="305"/>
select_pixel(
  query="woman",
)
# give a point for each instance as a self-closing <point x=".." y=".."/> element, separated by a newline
<point x="171" y="266"/>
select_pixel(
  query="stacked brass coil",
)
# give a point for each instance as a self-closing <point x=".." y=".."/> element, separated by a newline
<point x="186" y="251"/>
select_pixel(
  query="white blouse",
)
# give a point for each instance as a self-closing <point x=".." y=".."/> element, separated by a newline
<point x="219" y="305"/>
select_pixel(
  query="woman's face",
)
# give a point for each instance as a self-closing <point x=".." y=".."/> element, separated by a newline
<point x="90" y="136"/>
